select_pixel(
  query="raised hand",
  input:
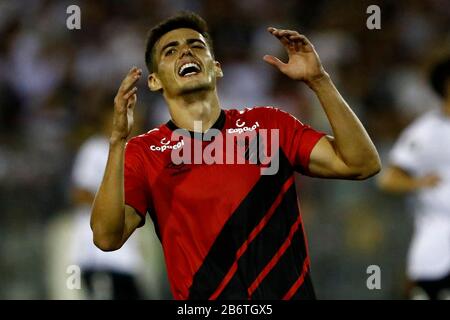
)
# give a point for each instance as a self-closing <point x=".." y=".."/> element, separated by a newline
<point x="124" y="104"/>
<point x="304" y="63"/>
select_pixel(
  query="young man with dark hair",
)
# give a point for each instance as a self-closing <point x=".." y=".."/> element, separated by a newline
<point x="228" y="231"/>
<point x="420" y="167"/>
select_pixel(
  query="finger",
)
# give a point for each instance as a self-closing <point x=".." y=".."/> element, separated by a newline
<point x="274" y="61"/>
<point x="301" y="42"/>
<point x="129" y="83"/>
<point x="295" y="42"/>
<point x="291" y="40"/>
<point x="132" y="101"/>
<point x="289" y="46"/>
<point x="275" y="32"/>
<point x="279" y="34"/>
<point x="131" y="78"/>
<point x="290" y="34"/>
<point x="130" y="93"/>
<point x="286" y="43"/>
<point x="303" y="39"/>
<point x="283" y="40"/>
<point x="282" y="32"/>
<point x="133" y="71"/>
<point x="287" y="33"/>
<point x="295" y="38"/>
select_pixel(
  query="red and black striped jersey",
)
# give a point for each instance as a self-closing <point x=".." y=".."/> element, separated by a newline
<point x="228" y="230"/>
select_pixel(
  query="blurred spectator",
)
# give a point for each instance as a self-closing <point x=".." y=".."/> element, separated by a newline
<point x="420" y="165"/>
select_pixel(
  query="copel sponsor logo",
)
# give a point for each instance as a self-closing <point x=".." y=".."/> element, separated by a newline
<point x="241" y="127"/>
<point x="165" y="145"/>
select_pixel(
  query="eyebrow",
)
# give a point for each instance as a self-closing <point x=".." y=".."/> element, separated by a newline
<point x="170" y="44"/>
<point x="176" y="43"/>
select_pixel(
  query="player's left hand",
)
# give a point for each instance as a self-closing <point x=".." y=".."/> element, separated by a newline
<point x="304" y="63"/>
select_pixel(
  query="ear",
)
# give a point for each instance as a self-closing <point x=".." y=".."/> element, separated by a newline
<point x="153" y="82"/>
<point x="218" y="69"/>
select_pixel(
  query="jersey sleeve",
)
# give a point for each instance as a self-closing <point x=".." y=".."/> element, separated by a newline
<point x="136" y="191"/>
<point x="296" y="139"/>
<point x="406" y="152"/>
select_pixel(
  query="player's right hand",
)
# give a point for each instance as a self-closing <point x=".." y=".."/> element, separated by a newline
<point x="124" y="104"/>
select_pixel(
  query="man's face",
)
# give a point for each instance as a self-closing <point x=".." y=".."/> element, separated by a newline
<point x="185" y="63"/>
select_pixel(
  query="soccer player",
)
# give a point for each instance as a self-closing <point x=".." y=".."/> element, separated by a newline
<point x="227" y="231"/>
<point x="420" y="167"/>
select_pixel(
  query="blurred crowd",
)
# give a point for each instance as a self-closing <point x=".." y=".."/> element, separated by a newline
<point x="56" y="84"/>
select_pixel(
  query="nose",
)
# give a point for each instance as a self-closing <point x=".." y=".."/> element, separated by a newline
<point x="186" y="50"/>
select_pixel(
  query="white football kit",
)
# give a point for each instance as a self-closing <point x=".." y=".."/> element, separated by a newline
<point x="424" y="148"/>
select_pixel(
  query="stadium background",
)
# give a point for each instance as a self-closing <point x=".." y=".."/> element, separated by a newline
<point x="54" y="82"/>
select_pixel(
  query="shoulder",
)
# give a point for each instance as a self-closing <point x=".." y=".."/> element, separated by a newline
<point x="95" y="142"/>
<point x="144" y="146"/>
<point x="95" y="147"/>
<point x="422" y="125"/>
<point x="258" y="113"/>
<point x="256" y="110"/>
<point x="418" y="134"/>
<point x="146" y="139"/>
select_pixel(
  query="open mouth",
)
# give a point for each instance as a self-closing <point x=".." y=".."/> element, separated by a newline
<point x="189" y="69"/>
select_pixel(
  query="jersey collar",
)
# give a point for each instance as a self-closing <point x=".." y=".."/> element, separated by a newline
<point x="219" y="124"/>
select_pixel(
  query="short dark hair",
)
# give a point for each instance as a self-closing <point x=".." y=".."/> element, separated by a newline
<point x="439" y="76"/>
<point x="184" y="19"/>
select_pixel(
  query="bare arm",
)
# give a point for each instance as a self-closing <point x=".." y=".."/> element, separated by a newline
<point x="112" y="221"/>
<point x="396" y="180"/>
<point x="350" y="154"/>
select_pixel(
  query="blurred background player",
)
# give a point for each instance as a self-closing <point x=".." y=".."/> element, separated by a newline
<point x="109" y="275"/>
<point x="420" y="167"/>
<point x="105" y="275"/>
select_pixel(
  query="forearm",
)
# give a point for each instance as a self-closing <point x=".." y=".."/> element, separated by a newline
<point x="400" y="185"/>
<point x="396" y="180"/>
<point x="351" y="141"/>
<point x="108" y="211"/>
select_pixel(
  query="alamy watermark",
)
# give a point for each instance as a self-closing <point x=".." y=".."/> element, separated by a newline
<point x="243" y="144"/>
<point x="73" y="21"/>
<point x="374" y="280"/>
<point x="73" y="281"/>
<point x="374" y="20"/>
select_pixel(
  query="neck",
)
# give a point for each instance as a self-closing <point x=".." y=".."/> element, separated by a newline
<point x="201" y="106"/>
